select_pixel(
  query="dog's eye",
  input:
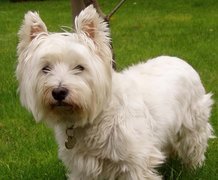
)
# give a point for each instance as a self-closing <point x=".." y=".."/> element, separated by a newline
<point x="46" y="69"/>
<point x="79" y="67"/>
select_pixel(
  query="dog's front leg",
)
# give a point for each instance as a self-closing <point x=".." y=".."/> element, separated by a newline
<point x="84" y="167"/>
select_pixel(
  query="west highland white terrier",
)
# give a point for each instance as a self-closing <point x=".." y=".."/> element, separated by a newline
<point x="110" y="125"/>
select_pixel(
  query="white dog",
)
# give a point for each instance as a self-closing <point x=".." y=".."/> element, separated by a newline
<point x="117" y="125"/>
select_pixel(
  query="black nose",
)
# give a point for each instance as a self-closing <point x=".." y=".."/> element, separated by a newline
<point x="59" y="93"/>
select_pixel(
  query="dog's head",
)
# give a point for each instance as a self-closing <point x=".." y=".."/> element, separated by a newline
<point x="65" y="76"/>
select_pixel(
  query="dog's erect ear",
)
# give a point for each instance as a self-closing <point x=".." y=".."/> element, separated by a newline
<point x="94" y="26"/>
<point x="31" y="27"/>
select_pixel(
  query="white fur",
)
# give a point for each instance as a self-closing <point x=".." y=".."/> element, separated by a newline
<point x="125" y="124"/>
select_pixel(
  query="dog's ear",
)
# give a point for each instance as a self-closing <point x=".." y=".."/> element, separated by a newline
<point x="31" y="27"/>
<point x="92" y="25"/>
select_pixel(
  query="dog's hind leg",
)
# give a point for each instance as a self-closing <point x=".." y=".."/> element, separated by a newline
<point x="195" y="132"/>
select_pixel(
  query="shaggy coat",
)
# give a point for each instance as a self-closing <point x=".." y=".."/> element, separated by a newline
<point x="117" y="125"/>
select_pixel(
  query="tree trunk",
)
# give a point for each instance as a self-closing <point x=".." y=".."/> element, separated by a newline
<point x="78" y="5"/>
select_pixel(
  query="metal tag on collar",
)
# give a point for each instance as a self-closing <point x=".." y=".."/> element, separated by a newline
<point x="71" y="140"/>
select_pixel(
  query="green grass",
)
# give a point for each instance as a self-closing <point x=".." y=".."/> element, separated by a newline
<point x="141" y="29"/>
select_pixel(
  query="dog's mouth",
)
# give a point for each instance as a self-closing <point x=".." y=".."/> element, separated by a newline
<point x="61" y="105"/>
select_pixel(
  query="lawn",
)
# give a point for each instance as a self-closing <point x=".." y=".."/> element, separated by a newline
<point x="141" y="29"/>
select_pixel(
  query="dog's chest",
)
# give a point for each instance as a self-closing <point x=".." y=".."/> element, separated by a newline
<point x="101" y="148"/>
<point x="99" y="141"/>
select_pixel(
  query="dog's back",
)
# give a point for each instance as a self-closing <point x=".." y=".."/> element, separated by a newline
<point x="177" y="102"/>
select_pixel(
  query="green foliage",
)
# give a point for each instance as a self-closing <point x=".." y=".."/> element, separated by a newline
<point x="140" y="30"/>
